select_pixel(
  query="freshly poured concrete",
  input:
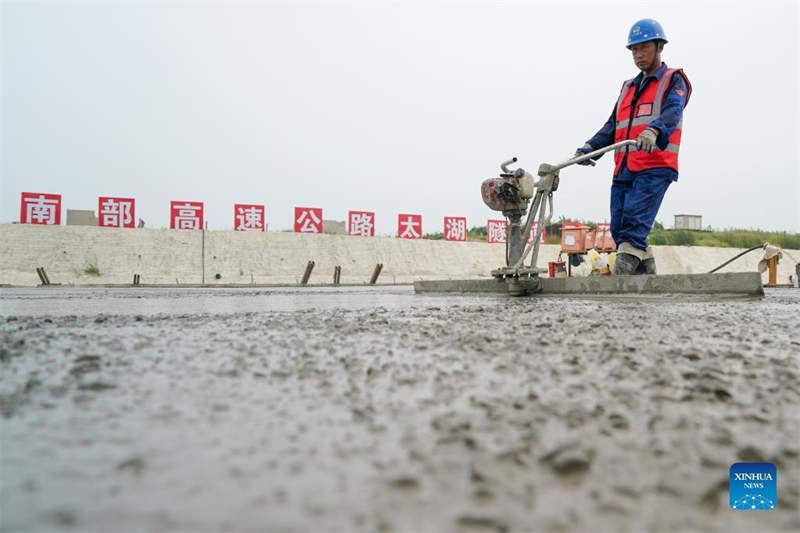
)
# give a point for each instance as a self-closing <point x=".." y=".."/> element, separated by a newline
<point x="380" y="409"/>
<point x="743" y="284"/>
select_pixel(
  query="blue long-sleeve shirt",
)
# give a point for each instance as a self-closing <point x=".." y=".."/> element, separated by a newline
<point x="671" y="113"/>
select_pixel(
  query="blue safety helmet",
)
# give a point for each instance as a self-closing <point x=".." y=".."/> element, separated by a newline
<point x="646" y="30"/>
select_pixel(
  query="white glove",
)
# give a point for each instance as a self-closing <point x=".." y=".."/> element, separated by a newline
<point x="583" y="150"/>
<point x="647" y="140"/>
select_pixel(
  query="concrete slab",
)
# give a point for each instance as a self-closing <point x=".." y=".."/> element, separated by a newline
<point x="744" y="284"/>
<point x="361" y="409"/>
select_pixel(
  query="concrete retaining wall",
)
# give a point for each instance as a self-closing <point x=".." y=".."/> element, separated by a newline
<point x="173" y="256"/>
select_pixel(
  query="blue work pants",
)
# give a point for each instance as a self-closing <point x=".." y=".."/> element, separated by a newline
<point x="635" y="200"/>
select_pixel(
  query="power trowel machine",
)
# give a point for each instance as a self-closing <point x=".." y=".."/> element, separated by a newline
<point x="516" y="193"/>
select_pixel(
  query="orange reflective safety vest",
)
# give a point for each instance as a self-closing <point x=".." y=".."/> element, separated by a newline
<point x="632" y="119"/>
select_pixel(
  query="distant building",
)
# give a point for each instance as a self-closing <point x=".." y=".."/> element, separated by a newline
<point x="691" y="222"/>
<point x="78" y="217"/>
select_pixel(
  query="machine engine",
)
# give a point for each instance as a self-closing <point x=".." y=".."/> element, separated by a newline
<point x="509" y="192"/>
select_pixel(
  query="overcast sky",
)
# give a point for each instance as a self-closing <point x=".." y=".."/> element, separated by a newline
<point x="388" y="107"/>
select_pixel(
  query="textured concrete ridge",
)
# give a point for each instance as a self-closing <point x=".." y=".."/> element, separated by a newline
<point x="739" y="283"/>
<point x="747" y="284"/>
<point x="162" y="256"/>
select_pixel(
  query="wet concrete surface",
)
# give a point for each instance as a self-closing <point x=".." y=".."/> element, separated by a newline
<point x="377" y="409"/>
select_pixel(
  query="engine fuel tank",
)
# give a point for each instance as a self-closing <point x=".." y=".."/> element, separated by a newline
<point x="507" y="193"/>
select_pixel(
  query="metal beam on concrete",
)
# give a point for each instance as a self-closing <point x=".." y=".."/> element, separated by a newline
<point x="744" y="284"/>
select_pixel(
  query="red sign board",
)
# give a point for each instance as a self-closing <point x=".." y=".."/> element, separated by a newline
<point x="361" y="223"/>
<point x="40" y="208"/>
<point x="116" y="212"/>
<point x="496" y="231"/>
<point x="542" y="239"/>
<point x="409" y="226"/>
<point x="248" y="217"/>
<point x="186" y="215"/>
<point x="307" y="220"/>
<point x="455" y="229"/>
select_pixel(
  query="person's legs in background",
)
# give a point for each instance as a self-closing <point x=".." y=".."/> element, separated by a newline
<point x="641" y="201"/>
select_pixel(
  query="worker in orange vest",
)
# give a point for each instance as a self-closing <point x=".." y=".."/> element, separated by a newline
<point x="650" y="110"/>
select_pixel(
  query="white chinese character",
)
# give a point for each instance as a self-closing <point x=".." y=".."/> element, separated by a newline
<point x="455" y="229"/>
<point x="409" y="232"/>
<point x="41" y="210"/>
<point x="497" y="232"/>
<point x="187" y="217"/>
<point x="361" y="224"/>
<point x="115" y="214"/>
<point x="250" y="219"/>
<point x="309" y="222"/>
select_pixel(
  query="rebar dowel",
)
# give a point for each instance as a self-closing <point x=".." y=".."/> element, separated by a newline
<point x="307" y="273"/>
<point x="41" y="277"/>
<point x="46" y="278"/>
<point x="337" y="273"/>
<point x="375" y="273"/>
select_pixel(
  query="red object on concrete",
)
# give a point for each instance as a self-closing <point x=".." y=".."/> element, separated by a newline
<point x="455" y="229"/>
<point x="186" y="215"/>
<point x="113" y="212"/>
<point x="248" y="217"/>
<point x="557" y="269"/>
<point x="361" y="223"/>
<point x="573" y="238"/>
<point x="589" y="240"/>
<point x="603" y="240"/>
<point x="409" y="226"/>
<point x="307" y="220"/>
<point x="40" y="208"/>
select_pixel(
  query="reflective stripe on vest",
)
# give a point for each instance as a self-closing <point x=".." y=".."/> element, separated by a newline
<point x="629" y="127"/>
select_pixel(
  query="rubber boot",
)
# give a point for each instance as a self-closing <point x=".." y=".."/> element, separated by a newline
<point x="626" y="265"/>
<point x="647" y="266"/>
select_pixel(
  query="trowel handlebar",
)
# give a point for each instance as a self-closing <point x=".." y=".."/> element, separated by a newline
<point x="591" y="155"/>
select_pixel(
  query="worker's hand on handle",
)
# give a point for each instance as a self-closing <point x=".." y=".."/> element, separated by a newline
<point x="583" y="150"/>
<point x="646" y="140"/>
